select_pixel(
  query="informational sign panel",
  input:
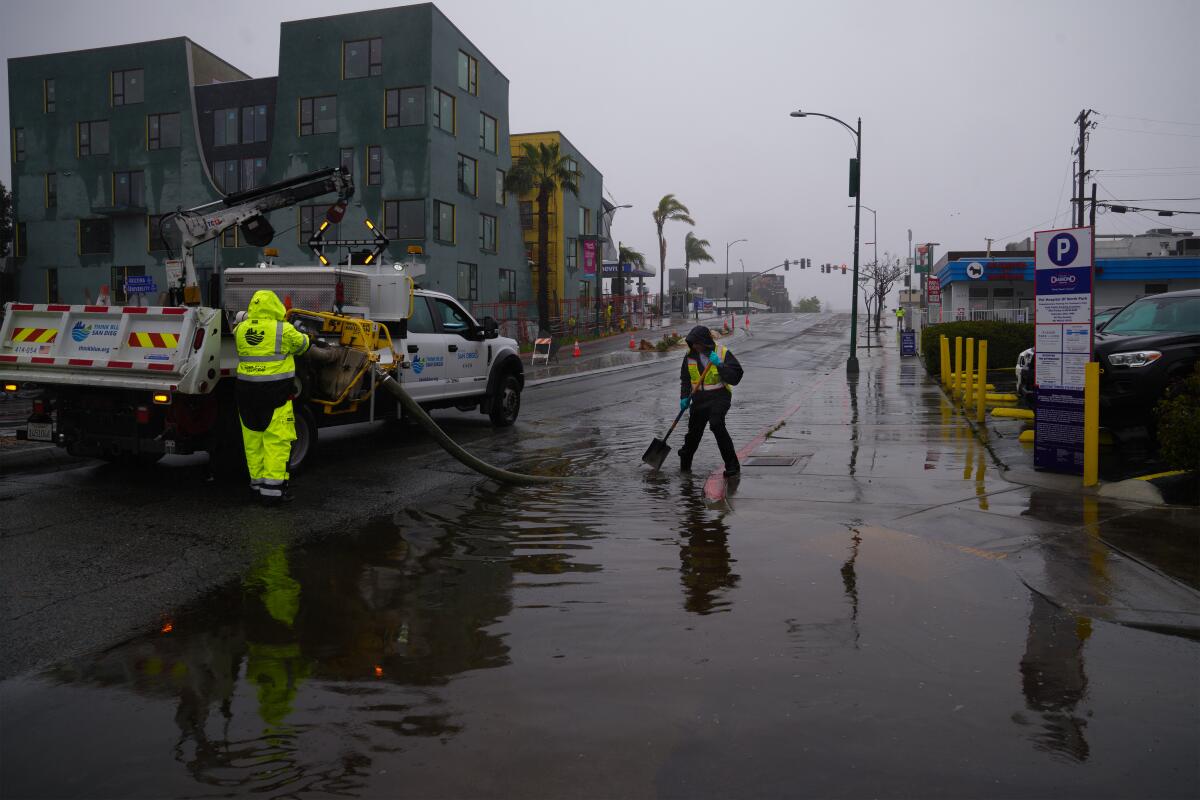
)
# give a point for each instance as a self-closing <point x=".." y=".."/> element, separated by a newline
<point x="140" y="284"/>
<point x="908" y="343"/>
<point x="933" y="286"/>
<point x="1063" y="277"/>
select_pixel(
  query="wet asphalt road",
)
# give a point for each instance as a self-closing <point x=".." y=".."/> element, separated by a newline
<point x="407" y="629"/>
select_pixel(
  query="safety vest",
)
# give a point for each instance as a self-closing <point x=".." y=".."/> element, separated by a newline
<point x="712" y="381"/>
<point x="900" y="312"/>
<point x="265" y="347"/>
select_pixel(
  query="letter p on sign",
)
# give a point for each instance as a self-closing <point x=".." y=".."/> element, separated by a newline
<point x="1063" y="249"/>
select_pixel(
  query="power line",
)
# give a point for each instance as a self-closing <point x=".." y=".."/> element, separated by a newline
<point x="1144" y="119"/>
<point x="1154" y="133"/>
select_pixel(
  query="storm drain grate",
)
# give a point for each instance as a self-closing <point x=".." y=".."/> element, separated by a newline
<point x="769" y="461"/>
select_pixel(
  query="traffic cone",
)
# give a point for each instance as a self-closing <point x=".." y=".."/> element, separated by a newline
<point x="575" y="352"/>
<point x="632" y="346"/>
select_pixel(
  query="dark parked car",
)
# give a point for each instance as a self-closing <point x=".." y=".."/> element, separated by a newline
<point x="1152" y="344"/>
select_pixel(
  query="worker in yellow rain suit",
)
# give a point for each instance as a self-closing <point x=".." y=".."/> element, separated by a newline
<point x="266" y="346"/>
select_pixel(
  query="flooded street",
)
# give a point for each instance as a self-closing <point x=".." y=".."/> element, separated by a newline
<point x="885" y="615"/>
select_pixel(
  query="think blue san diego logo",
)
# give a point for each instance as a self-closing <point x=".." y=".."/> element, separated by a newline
<point x="80" y="331"/>
<point x="418" y="364"/>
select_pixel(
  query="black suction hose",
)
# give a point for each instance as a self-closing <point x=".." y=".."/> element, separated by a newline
<point x="388" y="382"/>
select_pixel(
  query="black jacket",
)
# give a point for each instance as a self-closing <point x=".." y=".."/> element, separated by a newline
<point x="730" y="370"/>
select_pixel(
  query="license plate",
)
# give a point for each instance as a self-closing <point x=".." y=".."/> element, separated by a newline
<point x="40" y="431"/>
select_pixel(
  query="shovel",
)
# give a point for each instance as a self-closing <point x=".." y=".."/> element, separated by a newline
<point x="658" y="450"/>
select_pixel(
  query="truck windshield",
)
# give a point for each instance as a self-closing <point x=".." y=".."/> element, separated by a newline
<point x="1157" y="315"/>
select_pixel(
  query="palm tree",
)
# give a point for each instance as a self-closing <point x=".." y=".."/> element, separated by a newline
<point x="544" y="169"/>
<point x="627" y="255"/>
<point x="668" y="209"/>
<point x="694" y="249"/>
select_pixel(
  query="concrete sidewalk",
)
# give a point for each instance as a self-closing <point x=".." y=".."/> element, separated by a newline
<point x="891" y="453"/>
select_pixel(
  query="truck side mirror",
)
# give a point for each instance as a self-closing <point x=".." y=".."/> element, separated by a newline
<point x="491" y="329"/>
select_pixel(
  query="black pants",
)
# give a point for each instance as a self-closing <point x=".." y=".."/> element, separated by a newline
<point x="709" y="408"/>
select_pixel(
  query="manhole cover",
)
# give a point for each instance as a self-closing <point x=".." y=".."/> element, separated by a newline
<point x="770" y="461"/>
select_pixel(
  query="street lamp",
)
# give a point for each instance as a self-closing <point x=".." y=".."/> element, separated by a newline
<point x="855" y="175"/>
<point x="727" y="246"/>
<point x="875" y="229"/>
<point x="608" y="212"/>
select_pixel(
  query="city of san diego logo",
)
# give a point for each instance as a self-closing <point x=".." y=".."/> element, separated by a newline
<point x="80" y="331"/>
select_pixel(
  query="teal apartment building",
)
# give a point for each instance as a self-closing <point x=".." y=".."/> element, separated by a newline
<point x="107" y="141"/>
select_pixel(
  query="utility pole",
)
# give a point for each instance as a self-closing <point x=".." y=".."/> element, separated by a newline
<point x="1093" y="223"/>
<point x="1081" y="149"/>
<point x="989" y="240"/>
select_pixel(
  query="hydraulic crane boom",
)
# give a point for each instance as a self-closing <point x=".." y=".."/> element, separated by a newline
<point x="248" y="210"/>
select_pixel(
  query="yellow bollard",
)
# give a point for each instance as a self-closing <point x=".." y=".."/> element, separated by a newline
<point x="1091" y="424"/>
<point x="958" y="376"/>
<point x="1026" y="437"/>
<point x="1013" y="413"/>
<point x="981" y="390"/>
<point x="945" y="361"/>
<point x="969" y="378"/>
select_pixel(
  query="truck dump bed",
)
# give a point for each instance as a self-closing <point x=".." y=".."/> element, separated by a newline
<point x="133" y="347"/>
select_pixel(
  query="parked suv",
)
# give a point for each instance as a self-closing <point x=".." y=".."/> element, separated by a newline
<point x="1144" y="349"/>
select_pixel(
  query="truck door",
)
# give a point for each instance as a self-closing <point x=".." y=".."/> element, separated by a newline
<point x="466" y="365"/>
<point x="426" y="378"/>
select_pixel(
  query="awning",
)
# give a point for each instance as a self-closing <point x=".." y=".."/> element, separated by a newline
<point x="611" y="269"/>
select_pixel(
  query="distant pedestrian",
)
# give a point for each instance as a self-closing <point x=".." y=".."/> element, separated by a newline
<point x="713" y="397"/>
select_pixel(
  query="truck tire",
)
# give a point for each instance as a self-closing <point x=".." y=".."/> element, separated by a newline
<point x="506" y="402"/>
<point x="306" y="438"/>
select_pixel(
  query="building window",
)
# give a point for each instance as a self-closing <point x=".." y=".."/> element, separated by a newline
<point x="508" y="286"/>
<point x="585" y="220"/>
<point x="117" y="279"/>
<point x="572" y="166"/>
<point x="48" y="95"/>
<point x="127" y="87"/>
<point x="18" y="144"/>
<point x="52" y="285"/>
<point x="95" y="236"/>
<point x="128" y="189"/>
<point x="501" y="195"/>
<point x="311" y="218"/>
<point x="229" y="237"/>
<point x="51" y="190"/>
<point x="254" y="124"/>
<point x="404" y="219"/>
<point x="487" y="133"/>
<point x="346" y="160"/>
<point x="468" y="73"/>
<point x="225" y="175"/>
<point x="162" y="131"/>
<point x="443" y="222"/>
<point x="487" y="233"/>
<point x="526" y="207"/>
<point x="468" y="281"/>
<point x="318" y="115"/>
<point x="160" y="237"/>
<point x="253" y="172"/>
<point x="374" y="165"/>
<point x="19" y="237"/>
<point x="468" y="169"/>
<point x="572" y="251"/>
<point x="225" y="127"/>
<point x="404" y="107"/>
<point x="92" y="138"/>
<point x="443" y="110"/>
<point x="362" y="58"/>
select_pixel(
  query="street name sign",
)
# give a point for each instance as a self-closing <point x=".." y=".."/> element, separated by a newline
<point x="1063" y="278"/>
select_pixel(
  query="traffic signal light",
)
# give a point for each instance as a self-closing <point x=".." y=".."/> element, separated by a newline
<point x="785" y="265"/>
<point x="843" y="269"/>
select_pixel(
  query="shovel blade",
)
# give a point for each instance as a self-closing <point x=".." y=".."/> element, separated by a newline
<point x="656" y="453"/>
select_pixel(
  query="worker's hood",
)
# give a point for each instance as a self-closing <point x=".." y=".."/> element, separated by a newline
<point x="265" y="305"/>
<point x="702" y="336"/>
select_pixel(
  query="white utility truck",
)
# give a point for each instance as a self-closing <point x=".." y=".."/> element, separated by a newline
<point x="132" y="383"/>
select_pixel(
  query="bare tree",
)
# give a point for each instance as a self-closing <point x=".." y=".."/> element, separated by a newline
<point x="876" y="281"/>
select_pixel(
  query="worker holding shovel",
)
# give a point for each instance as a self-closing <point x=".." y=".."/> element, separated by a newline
<point x="709" y="393"/>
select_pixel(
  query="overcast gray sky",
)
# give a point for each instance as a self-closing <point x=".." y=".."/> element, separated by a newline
<point x="967" y="106"/>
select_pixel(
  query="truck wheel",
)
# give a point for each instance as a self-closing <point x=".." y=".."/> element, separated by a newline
<point x="306" y="438"/>
<point x="506" y="403"/>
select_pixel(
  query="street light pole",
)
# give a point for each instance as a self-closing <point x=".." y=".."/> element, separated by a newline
<point x="726" y="293"/>
<point x="608" y="212"/>
<point x="852" y="361"/>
